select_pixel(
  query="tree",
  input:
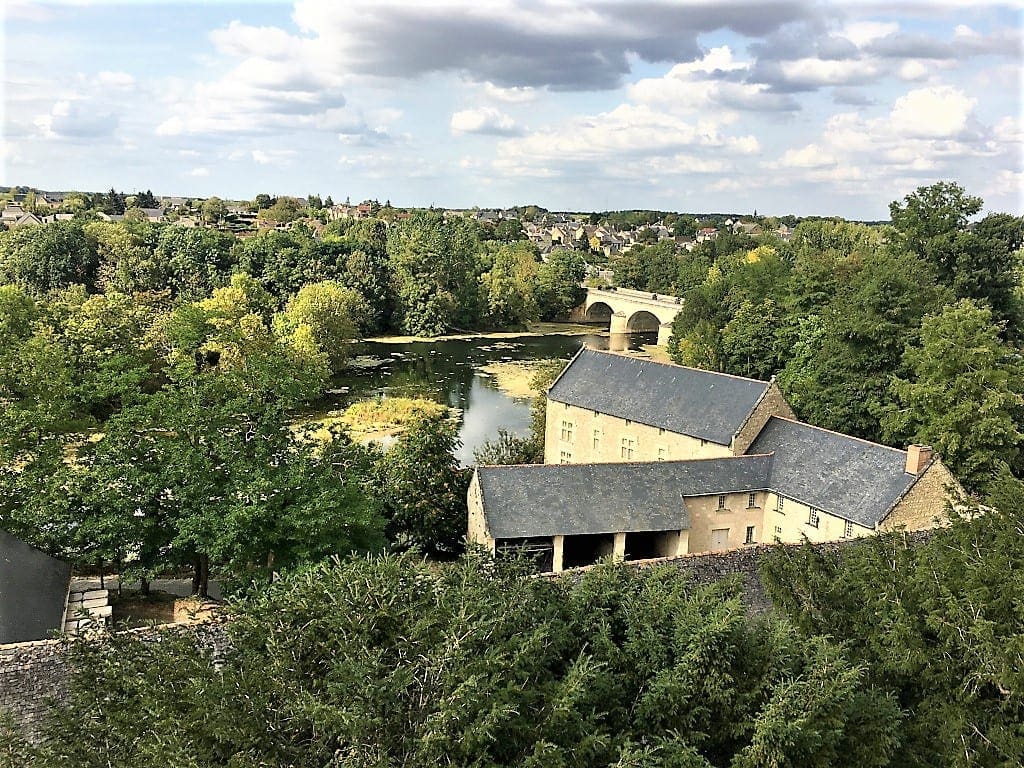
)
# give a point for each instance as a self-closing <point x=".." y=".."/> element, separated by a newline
<point x="560" y="284"/>
<point x="195" y="260"/>
<point x="263" y="201"/>
<point x="654" y="268"/>
<point x="285" y="209"/>
<point x="964" y="395"/>
<point x="933" y="623"/>
<point x="44" y="258"/>
<point x="752" y="341"/>
<point x="436" y="266"/>
<point x="510" y="285"/>
<point x="388" y="661"/>
<point x="214" y="210"/>
<point x="423" y="489"/>
<point x="329" y="311"/>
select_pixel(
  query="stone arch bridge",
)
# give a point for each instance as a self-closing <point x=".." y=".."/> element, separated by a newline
<point x="627" y="311"/>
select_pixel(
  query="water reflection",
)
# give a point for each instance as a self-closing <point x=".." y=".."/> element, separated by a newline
<point x="448" y="372"/>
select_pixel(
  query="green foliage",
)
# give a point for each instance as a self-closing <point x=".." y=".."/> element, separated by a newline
<point x="654" y="268"/>
<point x="193" y="261"/>
<point x="560" y="284"/>
<point x="964" y="395"/>
<point x="43" y="258"/>
<point x="511" y="285"/>
<point x="938" y="625"/>
<point x="436" y="269"/>
<point x="383" y="662"/>
<point x="423" y="489"/>
<point x="328" y="312"/>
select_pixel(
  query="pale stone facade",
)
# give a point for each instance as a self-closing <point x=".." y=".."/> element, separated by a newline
<point x="925" y="505"/>
<point x="574" y="435"/>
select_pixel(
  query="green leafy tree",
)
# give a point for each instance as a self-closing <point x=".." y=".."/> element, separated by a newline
<point x="511" y="285"/>
<point x="329" y="312"/>
<point x="43" y="258"/>
<point x="214" y="210"/>
<point x="423" y="489"/>
<point x="560" y="284"/>
<point x="964" y="394"/>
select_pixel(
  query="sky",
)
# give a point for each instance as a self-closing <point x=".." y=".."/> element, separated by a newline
<point x="811" y="108"/>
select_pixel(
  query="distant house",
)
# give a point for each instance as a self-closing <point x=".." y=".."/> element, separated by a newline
<point x="647" y="460"/>
<point x="706" y="233"/>
<point x="751" y="228"/>
<point x="33" y="591"/>
<point x="153" y="214"/>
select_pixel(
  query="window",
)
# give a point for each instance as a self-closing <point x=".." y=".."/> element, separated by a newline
<point x="779" y="504"/>
<point x="662" y="454"/>
<point x="565" y="457"/>
<point x="567" y="431"/>
<point x="812" y="517"/>
<point x="566" y="406"/>
<point x="597" y="439"/>
<point x="703" y="443"/>
<point x="627" y="447"/>
<point x="750" y="535"/>
<point x="778" y="533"/>
<point x="628" y="422"/>
<point x="721" y="503"/>
<point x="751" y="500"/>
<point x="661" y="431"/>
<point x="847" y="529"/>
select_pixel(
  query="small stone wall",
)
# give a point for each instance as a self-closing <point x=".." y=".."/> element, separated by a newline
<point x="32" y="675"/>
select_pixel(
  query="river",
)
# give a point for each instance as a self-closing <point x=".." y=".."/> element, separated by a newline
<point x="449" y="371"/>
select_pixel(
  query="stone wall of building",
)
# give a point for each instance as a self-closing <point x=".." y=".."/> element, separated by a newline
<point x="772" y="404"/>
<point x="575" y="435"/>
<point x="926" y="500"/>
<point x="32" y="675"/>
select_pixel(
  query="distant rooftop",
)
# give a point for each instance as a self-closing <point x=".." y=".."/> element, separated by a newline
<point x="703" y="404"/>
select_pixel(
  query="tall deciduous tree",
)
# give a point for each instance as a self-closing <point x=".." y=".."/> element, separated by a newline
<point x="964" y="394"/>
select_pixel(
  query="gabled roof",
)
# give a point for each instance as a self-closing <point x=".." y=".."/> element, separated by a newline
<point x="702" y="404"/>
<point x="571" y="499"/>
<point x="848" y="477"/>
<point x="33" y="591"/>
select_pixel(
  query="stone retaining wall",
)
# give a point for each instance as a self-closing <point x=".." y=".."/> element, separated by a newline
<point x="32" y="675"/>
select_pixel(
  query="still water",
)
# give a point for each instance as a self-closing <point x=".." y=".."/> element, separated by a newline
<point x="449" y="372"/>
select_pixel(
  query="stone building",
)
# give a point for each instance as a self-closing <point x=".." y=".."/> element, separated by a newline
<point x="649" y="460"/>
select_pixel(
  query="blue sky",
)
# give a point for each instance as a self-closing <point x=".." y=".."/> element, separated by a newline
<point x="780" y="107"/>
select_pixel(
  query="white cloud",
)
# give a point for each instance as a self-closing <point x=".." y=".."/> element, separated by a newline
<point x="934" y="112"/>
<point x="115" y="80"/>
<point x="514" y="95"/>
<point x="199" y="172"/>
<point x="860" y="33"/>
<point x="813" y="72"/>
<point x="486" y="120"/>
<point x="68" y="119"/>
<point x="913" y="69"/>
<point x="810" y="156"/>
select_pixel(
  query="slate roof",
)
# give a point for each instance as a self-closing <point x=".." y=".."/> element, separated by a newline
<point x="850" y="478"/>
<point x="553" y="499"/>
<point x="702" y="404"/>
<point x="33" y="591"/>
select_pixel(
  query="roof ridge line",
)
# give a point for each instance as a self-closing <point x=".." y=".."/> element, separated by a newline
<point x="676" y="365"/>
<point x="840" y="434"/>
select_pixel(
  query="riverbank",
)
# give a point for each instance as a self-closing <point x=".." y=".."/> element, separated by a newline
<point x="532" y="330"/>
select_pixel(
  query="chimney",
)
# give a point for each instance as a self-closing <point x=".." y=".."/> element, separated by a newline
<point x="918" y="457"/>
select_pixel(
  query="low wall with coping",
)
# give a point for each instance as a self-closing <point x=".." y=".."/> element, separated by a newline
<point x="34" y="675"/>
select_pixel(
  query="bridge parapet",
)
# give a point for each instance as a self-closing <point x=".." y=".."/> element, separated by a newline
<point x="630" y="310"/>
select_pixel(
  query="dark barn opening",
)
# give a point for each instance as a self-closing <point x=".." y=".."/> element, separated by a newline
<point x="646" y="545"/>
<point x="586" y="549"/>
<point x="538" y="550"/>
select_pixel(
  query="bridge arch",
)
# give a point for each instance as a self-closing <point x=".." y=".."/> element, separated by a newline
<point x="598" y="312"/>
<point x="642" y="320"/>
